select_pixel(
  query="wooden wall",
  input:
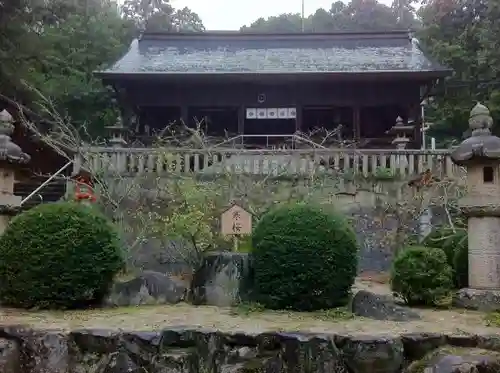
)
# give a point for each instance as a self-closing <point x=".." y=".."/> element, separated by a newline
<point x="297" y="94"/>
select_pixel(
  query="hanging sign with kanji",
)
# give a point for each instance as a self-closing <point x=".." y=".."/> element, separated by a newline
<point x="236" y="221"/>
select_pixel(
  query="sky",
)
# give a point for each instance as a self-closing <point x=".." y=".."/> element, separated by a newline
<point x="232" y="14"/>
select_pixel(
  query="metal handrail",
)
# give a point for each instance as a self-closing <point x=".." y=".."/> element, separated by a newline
<point x="98" y="149"/>
<point x="227" y="141"/>
<point x="52" y="177"/>
<point x="310" y="142"/>
<point x="292" y="136"/>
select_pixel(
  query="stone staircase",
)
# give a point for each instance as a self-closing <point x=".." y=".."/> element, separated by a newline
<point x="52" y="192"/>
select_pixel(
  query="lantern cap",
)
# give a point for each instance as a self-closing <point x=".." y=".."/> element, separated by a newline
<point x="481" y="146"/>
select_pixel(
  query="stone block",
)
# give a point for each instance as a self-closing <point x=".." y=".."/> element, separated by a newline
<point x="224" y="279"/>
<point x="379" y="307"/>
<point x="485" y="300"/>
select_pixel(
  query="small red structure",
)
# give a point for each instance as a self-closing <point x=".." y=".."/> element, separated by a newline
<point x="84" y="189"/>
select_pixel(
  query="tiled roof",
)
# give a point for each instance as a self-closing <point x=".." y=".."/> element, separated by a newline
<point x="276" y="53"/>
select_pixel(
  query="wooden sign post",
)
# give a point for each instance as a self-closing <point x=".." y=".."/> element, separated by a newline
<point x="236" y="221"/>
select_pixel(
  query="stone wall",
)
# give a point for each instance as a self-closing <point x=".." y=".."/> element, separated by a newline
<point x="184" y="350"/>
<point x="369" y="203"/>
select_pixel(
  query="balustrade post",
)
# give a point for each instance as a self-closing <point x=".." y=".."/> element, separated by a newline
<point x="75" y="169"/>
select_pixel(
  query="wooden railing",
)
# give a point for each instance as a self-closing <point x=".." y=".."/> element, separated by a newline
<point x="365" y="162"/>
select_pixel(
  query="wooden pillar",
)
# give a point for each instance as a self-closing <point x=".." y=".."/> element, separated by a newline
<point x="298" y="118"/>
<point x="241" y="122"/>
<point x="126" y="108"/>
<point x="185" y="115"/>
<point x="356" y="125"/>
<point x="417" y="115"/>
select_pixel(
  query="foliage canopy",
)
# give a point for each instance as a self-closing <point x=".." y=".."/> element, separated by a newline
<point x="59" y="255"/>
<point x="305" y="258"/>
<point x="454" y="243"/>
<point x="50" y="49"/>
<point x="421" y="276"/>
<point x="54" y="46"/>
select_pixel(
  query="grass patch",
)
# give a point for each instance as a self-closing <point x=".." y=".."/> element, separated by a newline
<point x="442" y="304"/>
<point x="247" y="309"/>
<point x="334" y="314"/>
<point x="445" y="302"/>
<point x="251" y="309"/>
<point x="492" y="319"/>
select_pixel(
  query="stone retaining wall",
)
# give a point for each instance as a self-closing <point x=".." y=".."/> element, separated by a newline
<point x="184" y="350"/>
<point x="367" y="203"/>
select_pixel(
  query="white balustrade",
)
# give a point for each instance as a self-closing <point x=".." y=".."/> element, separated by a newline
<point x="363" y="162"/>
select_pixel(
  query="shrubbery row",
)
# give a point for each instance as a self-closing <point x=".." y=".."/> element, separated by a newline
<point x="66" y="255"/>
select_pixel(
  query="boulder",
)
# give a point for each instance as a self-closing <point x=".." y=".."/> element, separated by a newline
<point x="458" y="360"/>
<point x="367" y="354"/>
<point x="148" y="287"/>
<point x="477" y="299"/>
<point x="418" y="345"/>
<point x="35" y="351"/>
<point x="224" y="279"/>
<point x="380" y="307"/>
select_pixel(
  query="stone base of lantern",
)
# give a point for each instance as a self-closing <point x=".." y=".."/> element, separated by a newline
<point x="486" y="300"/>
<point x="484" y="252"/>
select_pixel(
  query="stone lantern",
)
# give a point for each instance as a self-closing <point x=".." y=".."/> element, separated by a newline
<point x="11" y="159"/>
<point x="117" y="133"/>
<point x="480" y="155"/>
<point x="117" y="140"/>
<point x="401" y="131"/>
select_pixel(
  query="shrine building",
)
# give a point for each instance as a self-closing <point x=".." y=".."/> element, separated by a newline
<point x="275" y="84"/>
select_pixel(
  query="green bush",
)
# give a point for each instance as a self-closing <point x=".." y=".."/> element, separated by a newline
<point x="454" y="244"/>
<point x="439" y="237"/>
<point x="59" y="255"/>
<point x="421" y="275"/>
<point x="305" y="259"/>
<point x="461" y="258"/>
<point x="245" y="244"/>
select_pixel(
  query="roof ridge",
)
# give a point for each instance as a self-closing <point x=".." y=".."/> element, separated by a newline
<point x="155" y="35"/>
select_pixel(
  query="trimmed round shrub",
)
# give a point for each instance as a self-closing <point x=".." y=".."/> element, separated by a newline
<point x="305" y="259"/>
<point x="58" y="255"/>
<point x="455" y="245"/>
<point x="421" y="276"/>
<point x="439" y="237"/>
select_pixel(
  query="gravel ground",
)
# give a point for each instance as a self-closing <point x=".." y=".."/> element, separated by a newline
<point x="159" y="317"/>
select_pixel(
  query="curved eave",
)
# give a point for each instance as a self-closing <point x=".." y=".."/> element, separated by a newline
<point x="253" y="76"/>
<point x="464" y="159"/>
<point x="479" y="148"/>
